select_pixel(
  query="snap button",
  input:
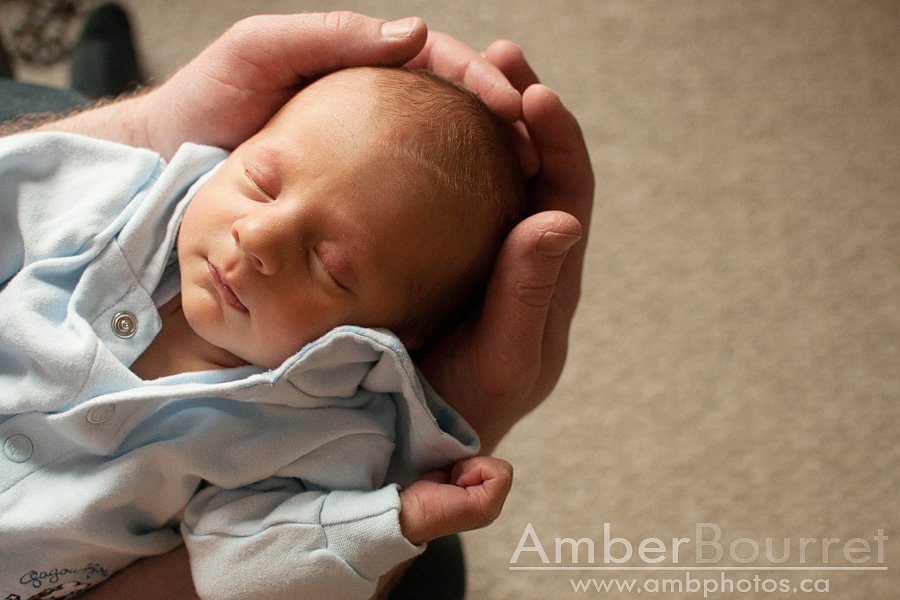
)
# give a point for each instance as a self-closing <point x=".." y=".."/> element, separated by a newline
<point x="18" y="448"/>
<point x="101" y="414"/>
<point x="124" y="324"/>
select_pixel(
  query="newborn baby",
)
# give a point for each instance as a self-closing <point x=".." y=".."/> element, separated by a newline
<point x="375" y="198"/>
<point x="214" y="346"/>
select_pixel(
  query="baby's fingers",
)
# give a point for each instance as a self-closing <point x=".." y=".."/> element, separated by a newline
<point x="486" y="482"/>
<point x="472" y="499"/>
<point x="483" y="470"/>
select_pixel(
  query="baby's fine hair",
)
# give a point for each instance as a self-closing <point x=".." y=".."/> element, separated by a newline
<point x="445" y="130"/>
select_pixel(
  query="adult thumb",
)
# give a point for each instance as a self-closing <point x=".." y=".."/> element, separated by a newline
<point x="522" y="286"/>
<point x="312" y="44"/>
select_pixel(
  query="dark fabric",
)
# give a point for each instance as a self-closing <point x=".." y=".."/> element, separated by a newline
<point x="17" y="98"/>
<point x="439" y="573"/>
<point x="104" y="61"/>
<point x="6" y="69"/>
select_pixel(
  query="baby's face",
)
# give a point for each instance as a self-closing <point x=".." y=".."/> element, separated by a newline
<point x="306" y="227"/>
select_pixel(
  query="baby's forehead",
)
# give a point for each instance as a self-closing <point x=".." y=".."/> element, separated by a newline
<point x="359" y="83"/>
<point x="408" y="145"/>
<point x="355" y="76"/>
<point x="352" y="99"/>
<point x="399" y="90"/>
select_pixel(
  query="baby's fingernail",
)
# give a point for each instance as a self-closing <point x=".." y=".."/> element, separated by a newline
<point x="553" y="245"/>
<point x="399" y="29"/>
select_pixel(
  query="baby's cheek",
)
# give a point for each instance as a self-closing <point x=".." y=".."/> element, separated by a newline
<point x="281" y="341"/>
<point x="201" y="311"/>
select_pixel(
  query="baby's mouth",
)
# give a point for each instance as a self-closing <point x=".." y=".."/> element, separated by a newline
<point x="225" y="290"/>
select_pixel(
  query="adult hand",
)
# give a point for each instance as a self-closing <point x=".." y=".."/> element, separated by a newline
<point x="233" y="87"/>
<point x="505" y="360"/>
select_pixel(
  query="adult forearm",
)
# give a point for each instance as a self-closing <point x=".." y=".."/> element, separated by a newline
<point x="116" y="119"/>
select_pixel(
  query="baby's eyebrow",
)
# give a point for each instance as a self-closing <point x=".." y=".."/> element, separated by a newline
<point x="270" y="155"/>
<point x="264" y="166"/>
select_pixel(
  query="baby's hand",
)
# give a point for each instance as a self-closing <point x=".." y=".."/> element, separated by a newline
<point x="469" y="497"/>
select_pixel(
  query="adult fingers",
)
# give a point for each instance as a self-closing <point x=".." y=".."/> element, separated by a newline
<point x="447" y="56"/>
<point x="287" y="49"/>
<point x="234" y="86"/>
<point x="566" y="182"/>
<point x="508" y="57"/>
<point x="518" y="298"/>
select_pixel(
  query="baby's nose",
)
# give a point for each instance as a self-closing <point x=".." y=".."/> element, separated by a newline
<point x="260" y="242"/>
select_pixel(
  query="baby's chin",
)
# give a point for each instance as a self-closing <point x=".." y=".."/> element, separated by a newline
<point x="208" y="346"/>
<point x="268" y="358"/>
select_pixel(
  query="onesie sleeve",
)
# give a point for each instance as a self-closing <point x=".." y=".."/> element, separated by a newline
<point x="279" y="540"/>
<point x="301" y="532"/>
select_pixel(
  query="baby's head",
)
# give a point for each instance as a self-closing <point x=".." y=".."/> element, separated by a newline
<point x="456" y="161"/>
<point x="375" y="197"/>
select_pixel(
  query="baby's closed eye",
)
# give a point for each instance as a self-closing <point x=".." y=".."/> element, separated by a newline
<point x="324" y="269"/>
<point x="334" y="264"/>
<point x="259" y="184"/>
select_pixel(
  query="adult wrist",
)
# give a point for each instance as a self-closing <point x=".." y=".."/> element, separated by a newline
<point x="140" y="114"/>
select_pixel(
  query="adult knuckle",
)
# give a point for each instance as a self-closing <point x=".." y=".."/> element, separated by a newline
<point x="246" y="27"/>
<point x="339" y="20"/>
<point x="509" y="47"/>
<point x="534" y="294"/>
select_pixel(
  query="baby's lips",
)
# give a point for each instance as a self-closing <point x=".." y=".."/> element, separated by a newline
<point x="225" y="290"/>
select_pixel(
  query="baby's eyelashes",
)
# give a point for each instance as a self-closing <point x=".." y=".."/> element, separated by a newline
<point x="326" y="270"/>
<point x="259" y="184"/>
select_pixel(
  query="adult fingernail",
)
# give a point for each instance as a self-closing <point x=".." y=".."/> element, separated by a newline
<point x="553" y="245"/>
<point x="399" y="29"/>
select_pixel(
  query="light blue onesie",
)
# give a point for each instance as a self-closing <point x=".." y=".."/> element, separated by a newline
<point x="280" y="476"/>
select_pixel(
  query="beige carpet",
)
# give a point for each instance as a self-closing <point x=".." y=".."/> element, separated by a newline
<point x="736" y="357"/>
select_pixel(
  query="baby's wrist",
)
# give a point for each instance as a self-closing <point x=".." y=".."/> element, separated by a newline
<point x="411" y="520"/>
